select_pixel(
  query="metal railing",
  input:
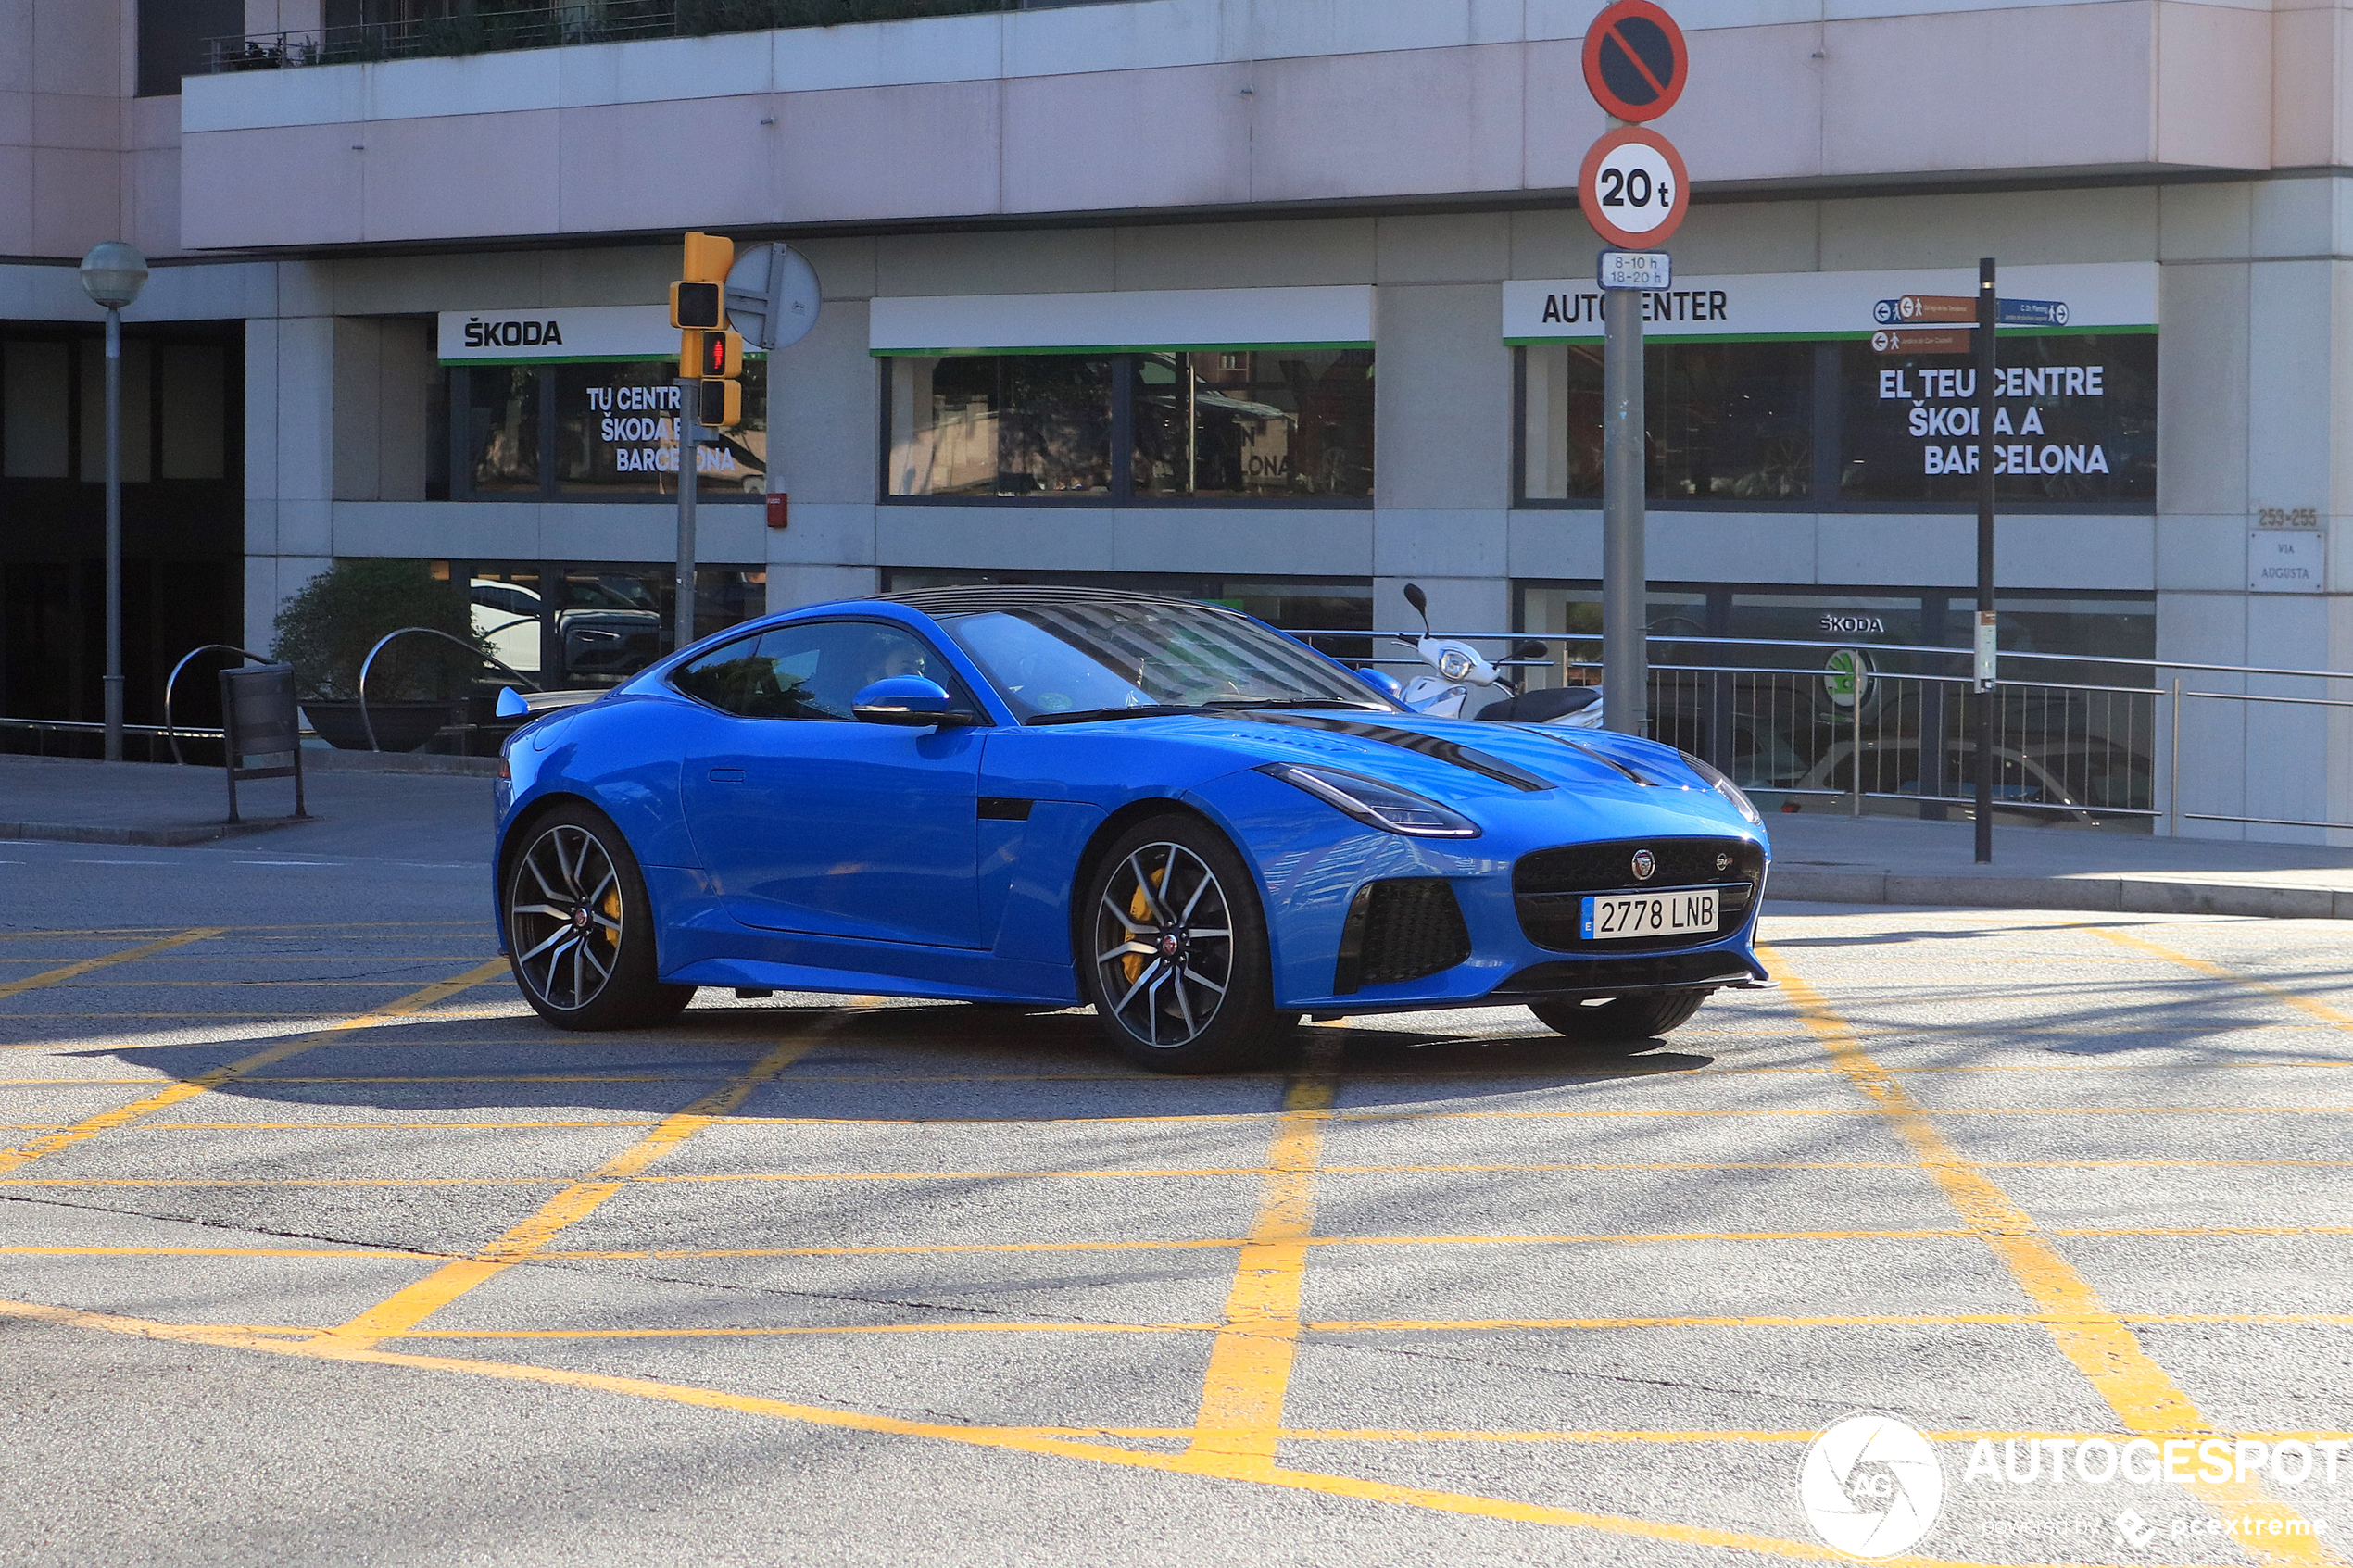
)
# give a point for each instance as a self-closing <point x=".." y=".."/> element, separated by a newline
<point x="467" y="30"/>
<point x="1792" y="720"/>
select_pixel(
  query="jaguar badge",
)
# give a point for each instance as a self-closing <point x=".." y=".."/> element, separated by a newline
<point x="1645" y="863"/>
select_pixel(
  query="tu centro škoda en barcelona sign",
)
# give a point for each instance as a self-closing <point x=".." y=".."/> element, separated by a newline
<point x="2075" y="415"/>
<point x="620" y="404"/>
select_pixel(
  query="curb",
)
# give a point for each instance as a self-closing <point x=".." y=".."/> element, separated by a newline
<point x="157" y="838"/>
<point x="2106" y="895"/>
<point x="318" y="761"/>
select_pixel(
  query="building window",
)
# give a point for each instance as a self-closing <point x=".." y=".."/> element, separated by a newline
<point x="575" y="625"/>
<point x="1235" y="426"/>
<point x="175" y="39"/>
<point x="604" y="429"/>
<point x="1026" y="425"/>
<point x="1725" y="422"/>
<point x="1832" y="425"/>
<point x="2075" y="420"/>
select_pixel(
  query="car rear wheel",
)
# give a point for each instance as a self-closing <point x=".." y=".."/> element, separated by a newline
<point x="1619" y="1020"/>
<point x="1176" y="957"/>
<point x="580" y="928"/>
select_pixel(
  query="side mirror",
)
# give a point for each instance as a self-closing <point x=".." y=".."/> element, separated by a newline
<point x="511" y="705"/>
<point x="907" y="700"/>
<point x="1420" y="601"/>
<point x="1530" y="648"/>
<point x="1382" y="682"/>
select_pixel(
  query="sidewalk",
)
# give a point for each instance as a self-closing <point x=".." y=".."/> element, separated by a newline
<point x="1818" y="855"/>
<point x="1831" y="858"/>
<point x="353" y="809"/>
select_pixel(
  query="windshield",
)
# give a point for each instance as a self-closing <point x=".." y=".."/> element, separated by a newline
<point x="1084" y="657"/>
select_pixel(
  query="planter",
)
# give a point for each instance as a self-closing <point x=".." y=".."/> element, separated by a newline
<point x="401" y="726"/>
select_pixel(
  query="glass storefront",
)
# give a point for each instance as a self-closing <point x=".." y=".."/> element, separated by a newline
<point x="1262" y="425"/>
<point x="1256" y="426"/>
<point x="1338" y="603"/>
<point x="605" y="428"/>
<point x="1727" y="421"/>
<point x="1838" y="675"/>
<point x="1836" y="425"/>
<point x="574" y="625"/>
<point x="1035" y="426"/>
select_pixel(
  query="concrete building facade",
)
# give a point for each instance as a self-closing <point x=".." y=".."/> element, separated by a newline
<point x="1248" y="298"/>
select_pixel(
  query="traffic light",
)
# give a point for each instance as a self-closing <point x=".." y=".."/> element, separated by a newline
<point x="704" y="354"/>
<point x="696" y="300"/>
<point x="723" y="403"/>
<point x="695" y="305"/>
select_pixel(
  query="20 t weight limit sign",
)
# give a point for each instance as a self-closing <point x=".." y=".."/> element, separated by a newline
<point x="1633" y="189"/>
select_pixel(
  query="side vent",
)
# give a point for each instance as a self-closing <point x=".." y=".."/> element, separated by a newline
<point x="1402" y="928"/>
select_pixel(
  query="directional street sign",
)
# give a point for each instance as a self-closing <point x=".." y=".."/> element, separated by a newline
<point x="1635" y="61"/>
<point x="1633" y="189"/>
<point x="1937" y="340"/>
<point x="2032" y="313"/>
<point x="1962" y="309"/>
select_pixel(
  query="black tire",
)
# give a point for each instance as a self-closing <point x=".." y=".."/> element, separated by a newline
<point x="580" y="928"/>
<point x="1184" y="984"/>
<point x="1620" y="1020"/>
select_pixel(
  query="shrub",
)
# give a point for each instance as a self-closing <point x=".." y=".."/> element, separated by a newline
<point x="326" y="630"/>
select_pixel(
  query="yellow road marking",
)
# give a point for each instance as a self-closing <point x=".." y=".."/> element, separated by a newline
<point x="84" y="965"/>
<point x="1210" y="1464"/>
<point x="189" y="1088"/>
<point x="1288" y="1329"/>
<point x="2092" y="1338"/>
<point x="1215" y="1170"/>
<point x="407" y="1308"/>
<point x="141" y="930"/>
<point x="1241" y="1397"/>
<point x="2318" y="1009"/>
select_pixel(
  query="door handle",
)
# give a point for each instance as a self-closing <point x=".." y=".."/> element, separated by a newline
<point x="728" y="775"/>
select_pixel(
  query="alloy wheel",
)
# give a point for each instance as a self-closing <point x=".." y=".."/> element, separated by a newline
<point x="1164" y="945"/>
<point x="567" y="941"/>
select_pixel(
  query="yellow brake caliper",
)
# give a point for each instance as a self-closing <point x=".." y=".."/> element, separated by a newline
<point x="1140" y="910"/>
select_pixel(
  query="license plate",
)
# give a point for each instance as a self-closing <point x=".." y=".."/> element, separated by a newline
<point x="1613" y="917"/>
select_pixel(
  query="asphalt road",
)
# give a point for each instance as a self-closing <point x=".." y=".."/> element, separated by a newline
<point x="315" y="1247"/>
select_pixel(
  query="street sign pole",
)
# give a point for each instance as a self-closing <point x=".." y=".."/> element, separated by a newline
<point x="689" y="448"/>
<point x="1988" y="317"/>
<point x="1625" y="587"/>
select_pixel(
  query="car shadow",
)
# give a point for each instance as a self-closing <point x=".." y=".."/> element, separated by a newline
<point x="949" y="1057"/>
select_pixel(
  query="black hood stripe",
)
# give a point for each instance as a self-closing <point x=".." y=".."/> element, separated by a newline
<point x="1413" y="740"/>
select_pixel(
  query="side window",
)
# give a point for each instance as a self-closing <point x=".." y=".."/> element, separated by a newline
<point x="812" y="670"/>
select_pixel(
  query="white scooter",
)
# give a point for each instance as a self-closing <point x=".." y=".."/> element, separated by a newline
<point x="1461" y="670"/>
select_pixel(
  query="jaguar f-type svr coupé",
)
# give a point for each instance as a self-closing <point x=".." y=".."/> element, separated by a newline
<point x="1050" y="796"/>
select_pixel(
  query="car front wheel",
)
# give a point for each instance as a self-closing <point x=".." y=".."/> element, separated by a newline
<point x="1619" y="1020"/>
<point x="1175" y="959"/>
<point x="580" y="929"/>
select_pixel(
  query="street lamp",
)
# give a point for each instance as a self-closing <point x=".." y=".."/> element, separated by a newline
<point x="112" y="274"/>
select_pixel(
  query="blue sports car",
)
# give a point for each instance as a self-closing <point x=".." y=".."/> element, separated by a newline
<point x="1049" y="797"/>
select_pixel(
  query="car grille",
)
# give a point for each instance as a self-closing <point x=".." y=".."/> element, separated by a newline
<point x="1614" y="977"/>
<point x="1549" y="886"/>
<point x="1401" y="929"/>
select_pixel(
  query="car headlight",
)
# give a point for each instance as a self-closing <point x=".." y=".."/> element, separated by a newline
<point x="1724" y="787"/>
<point x="1375" y="804"/>
<point x="1454" y="664"/>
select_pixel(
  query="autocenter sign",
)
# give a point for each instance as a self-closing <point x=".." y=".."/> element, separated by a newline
<point x="2106" y="295"/>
